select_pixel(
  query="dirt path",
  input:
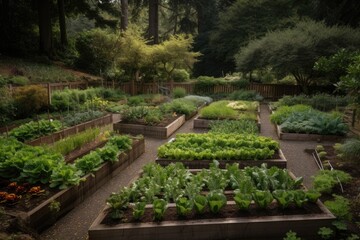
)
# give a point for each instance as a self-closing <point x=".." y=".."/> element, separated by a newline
<point x="75" y="224"/>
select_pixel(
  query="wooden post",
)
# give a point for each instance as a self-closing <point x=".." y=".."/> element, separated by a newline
<point x="49" y="93"/>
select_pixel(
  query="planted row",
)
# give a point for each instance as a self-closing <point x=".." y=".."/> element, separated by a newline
<point x="205" y="190"/>
<point x="22" y="163"/>
<point x="211" y="146"/>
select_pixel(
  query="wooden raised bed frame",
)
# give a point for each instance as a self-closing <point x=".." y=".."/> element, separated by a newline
<point x="306" y="136"/>
<point x="259" y="227"/>
<point x="280" y="162"/>
<point x="40" y="217"/>
<point x="205" y="123"/>
<point x="150" y="131"/>
<point x="98" y="122"/>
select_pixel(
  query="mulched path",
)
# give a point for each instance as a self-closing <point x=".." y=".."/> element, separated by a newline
<point x="76" y="223"/>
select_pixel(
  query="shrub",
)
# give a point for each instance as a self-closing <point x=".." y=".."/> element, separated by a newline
<point x="248" y="95"/>
<point x="205" y="84"/>
<point x="18" y="80"/>
<point x="29" y="100"/>
<point x="7" y="107"/>
<point x="350" y="150"/>
<point x="80" y="117"/>
<point x="179" y="106"/>
<point x="179" y="92"/>
<point x="240" y="83"/>
<point x="198" y="100"/>
<point x="180" y="75"/>
<point x="136" y="101"/>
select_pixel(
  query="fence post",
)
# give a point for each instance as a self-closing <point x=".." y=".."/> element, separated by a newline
<point x="49" y="93"/>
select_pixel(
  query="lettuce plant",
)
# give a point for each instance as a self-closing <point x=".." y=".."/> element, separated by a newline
<point x="139" y="210"/>
<point x="312" y="195"/>
<point x="183" y="206"/>
<point x="64" y="176"/>
<point x="242" y="200"/>
<point x="216" y="200"/>
<point x="262" y="198"/>
<point x="283" y="197"/>
<point x="159" y="207"/>
<point x="200" y="203"/>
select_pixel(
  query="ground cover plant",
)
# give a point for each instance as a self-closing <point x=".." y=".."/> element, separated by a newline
<point x="239" y="127"/>
<point x="304" y="119"/>
<point x="203" y="192"/>
<point x="211" y="146"/>
<point x="322" y="102"/>
<point x="228" y="110"/>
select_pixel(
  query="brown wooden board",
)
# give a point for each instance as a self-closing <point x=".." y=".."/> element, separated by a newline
<point x="306" y="136"/>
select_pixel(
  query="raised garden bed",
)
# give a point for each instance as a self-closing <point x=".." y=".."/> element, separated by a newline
<point x="255" y="227"/>
<point x="278" y="161"/>
<point x="228" y="222"/>
<point x="150" y="131"/>
<point x="306" y="136"/>
<point x="205" y="123"/>
<point x="102" y="121"/>
<point x="190" y="116"/>
<point x="41" y="217"/>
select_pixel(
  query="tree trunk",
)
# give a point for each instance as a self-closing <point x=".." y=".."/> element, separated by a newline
<point x="124" y="15"/>
<point x="62" y="22"/>
<point x="45" y="38"/>
<point x="154" y="21"/>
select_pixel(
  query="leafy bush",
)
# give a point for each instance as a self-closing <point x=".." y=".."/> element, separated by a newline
<point x="248" y="95"/>
<point x="179" y="92"/>
<point x="18" y="80"/>
<point x="136" y="101"/>
<point x="282" y="113"/>
<point x="315" y="122"/>
<point x="234" y="126"/>
<point x="7" y="106"/>
<point x="322" y="102"/>
<point x="326" y="180"/>
<point x="179" y="106"/>
<point x="198" y="100"/>
<point x="29" y="100"/>
<point x="205" y="84"/>
<point x="96" y="104"/>
<point x="80" y="117"/>
<point x="33" y="130"/>
<point x="180" y="75"/>
<point x="240" y="83"/>
<point x="142" y="114"/>
<point x="350" y="150"/>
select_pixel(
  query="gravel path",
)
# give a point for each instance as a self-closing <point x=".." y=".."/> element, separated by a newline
<point x="75" y="224"/>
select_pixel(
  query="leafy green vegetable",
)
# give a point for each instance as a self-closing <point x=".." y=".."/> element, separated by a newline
<point x="242" y="200"/>
<point x="89" y="163"/>
<point x="139" y="210"/>
<point x="159" y="206"/>
<point x="109" y="153"/>
<point x="326" y="180"/>
<point x="118" y="203"/>
<point x="216" y="200"/>
<point x="299" y="198"/>
<point x="64" y="176"/>
<point x="262" y="198"/>
<point x="312" y="195"/>
<point x="200" y="203"/>
<point x="183" y="206"/>
<point x="284" y="198"/>
<point x="242" y="126"/>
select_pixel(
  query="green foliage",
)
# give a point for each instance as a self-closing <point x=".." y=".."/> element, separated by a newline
<point x="350" y="82"/>
<point x="218" y="147"/>
<point x="242" y="126"/>
<point x="243" y="200"/>
<point x="198" y="100"/>
<point x="326" y="180"/>
<point x="326" y="233"/>
<point x="89" y="163"/>
<point x="183" y="206"/>
<point x="179" y="106"/>
<point x="350" y="150"/>
<point x="340" y="207"/>
<point x="96" y="49"/>
<point x="247" y="95"/>
<point x="118" y="203"/>
<point x="283" y="112"/>
<point x="96" y="104"/>
<point x="218" y="110"/>
<point x="180" y="75"/>
<point x="244" y="105"/>
<point x="262" y="198"/>
<point x="7" y="106"/>
<point x="122" y="142"/>
<point x="290" y="235"/>
<point x="109" y="153"/>
<point x="205" y="84"/>
<point x="142" y="114"/>
<point x="200" y="203"/>
<point x="159" y="207"/>
<point x="216" y="201"/>
<point x="312" y="195"/>
<point x="66" y="145"/>
<point x="80" y="117"/>
<point x="295" y="50"/>
<point x="33" y="130"/>
<point x="313" y="121"/>
<point x="322" y="102"/>
<point x="136" y="101"/>
<point x="179" y="92"/>
<point x="139" y="210"/>
<point x="284" y="198"/>
<point x="64" y="176"/>
<point x="29" y="100"/>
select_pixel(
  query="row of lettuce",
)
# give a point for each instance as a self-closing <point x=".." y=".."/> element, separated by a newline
<point x="35" y="165"/>
<point x="204" y="191"/>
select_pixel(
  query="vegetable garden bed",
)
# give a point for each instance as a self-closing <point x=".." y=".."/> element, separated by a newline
<point x="211" y="215"/>
<point x="102" y="121"/>
<point x="205" y="123"/>
<point x="42" y="217"/>
<point x="306" y="136"/>
<point x="150" y="131"/>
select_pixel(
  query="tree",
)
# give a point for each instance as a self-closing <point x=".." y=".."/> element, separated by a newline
<point x="154" y="21"/>
<point x="295" y="51"/>
<point x="62" y="23"/>
<point x="124" y="15"/>
<point x="45" y="28"/>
